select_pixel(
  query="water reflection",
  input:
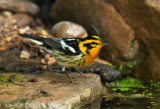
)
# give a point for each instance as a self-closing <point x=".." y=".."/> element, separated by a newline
<point x="126" y="100"/>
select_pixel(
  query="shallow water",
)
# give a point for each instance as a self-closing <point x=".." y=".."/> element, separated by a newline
<point x="124" y="102"/>
<point x="144" y="97"/>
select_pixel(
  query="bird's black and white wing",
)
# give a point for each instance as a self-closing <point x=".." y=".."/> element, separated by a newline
<point x="67" y="45"/>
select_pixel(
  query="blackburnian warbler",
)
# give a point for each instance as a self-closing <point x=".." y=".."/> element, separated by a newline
<point x="70" y="52"/>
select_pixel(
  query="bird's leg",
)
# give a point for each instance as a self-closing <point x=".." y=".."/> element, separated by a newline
<point x="64" y="70"/>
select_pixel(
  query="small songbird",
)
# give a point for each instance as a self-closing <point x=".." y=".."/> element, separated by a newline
<point x="70" y="52"/>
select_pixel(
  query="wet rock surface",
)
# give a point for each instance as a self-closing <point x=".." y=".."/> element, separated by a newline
<point x="52" y="90"/>
<point x="106" y="72"/>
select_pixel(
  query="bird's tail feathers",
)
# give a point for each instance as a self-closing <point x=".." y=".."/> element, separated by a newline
<point x="36" y="40"/>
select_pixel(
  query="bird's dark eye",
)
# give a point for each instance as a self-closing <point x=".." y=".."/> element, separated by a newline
<point x="90" y="45"/>
<point x="93" y="44"/>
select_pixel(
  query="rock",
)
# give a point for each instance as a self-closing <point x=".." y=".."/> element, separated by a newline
<point x="48" y="61"/>
<point x="130" y="28"/>
<point x="14" y="64"/>
<point x="25" y="66"/>
<point x="44" y="67"/>
<point x="20" y="20"/>
<point x="51" y="61"/>
<point x="23" y="20"/>
<point x="153" y="3"/>
<point x="52" y="90"/>
<point x="2" y="48"/>
<point x="7" y="14"/>
<point x="107" y="73"/>
<point x="23" y="30"/>
<point x="47" y="56"/>
<point x="25" y="55"/>
<point x="43" y="61"/>
<point x="68" y="29"/>
<point x="24" y="6"/>
<point x="143" y="17"/>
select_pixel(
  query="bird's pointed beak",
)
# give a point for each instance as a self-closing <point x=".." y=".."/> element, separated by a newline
<point x="104" y="43"/>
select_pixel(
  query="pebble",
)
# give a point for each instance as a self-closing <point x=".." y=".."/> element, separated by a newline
<point x="2" y="48"/>
<point x="33" y="80"/>
<point x="15" y="27"/>
<point x="24" y="30"/>
<point x="7" y="14"/>
<point x="43" y="61"/>
<point x="43" y="92"/>
<point x="25" y="55"/>
<point x="47" y="56"/>
<point x="68" y="29"/>
<point x="44" y="67"/>
<point x="51" y="61"/>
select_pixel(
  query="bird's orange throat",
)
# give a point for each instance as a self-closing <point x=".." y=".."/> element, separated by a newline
<point x="92" y="56"/>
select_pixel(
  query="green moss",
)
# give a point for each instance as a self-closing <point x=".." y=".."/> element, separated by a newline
<point x="150" y="94"/>
<point x="127" y="84"/>
<point x="129" y="65"/>
<point x="120" y="68"/>
<point x="152" y="102"/>
<point x="157" y="85"/>
<point x="9" y="93"/>
<point x="134" y="91"/>
<point x="4" y="79"/>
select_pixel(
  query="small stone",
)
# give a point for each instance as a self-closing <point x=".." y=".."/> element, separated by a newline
<point x="7" y="14"/>
<point x="44" y="67"/>
<point x="47" y="56"/>
<point x="50" y="63"/>
<point x="44" y="32"/>
<point x="13" y="21"/>
<point x="2" y="48"/>
<point x="51" y="59"/>
<point x="15" y="27"/>
<point x="33" y="80"/>
<point x="68" y="29"/>
<point x="11" y="78"/>
<point x="24" y="55"/>
<point x="43" y="61"/>
<point x="24" y="30"/>
<point x="9" y="39"/>
<point x="43" y="92"/>
<point x="23" y="20"/>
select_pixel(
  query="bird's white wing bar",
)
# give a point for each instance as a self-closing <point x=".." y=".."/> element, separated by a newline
<point x="64" y="45"/>
<point x="36" y="42"/>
